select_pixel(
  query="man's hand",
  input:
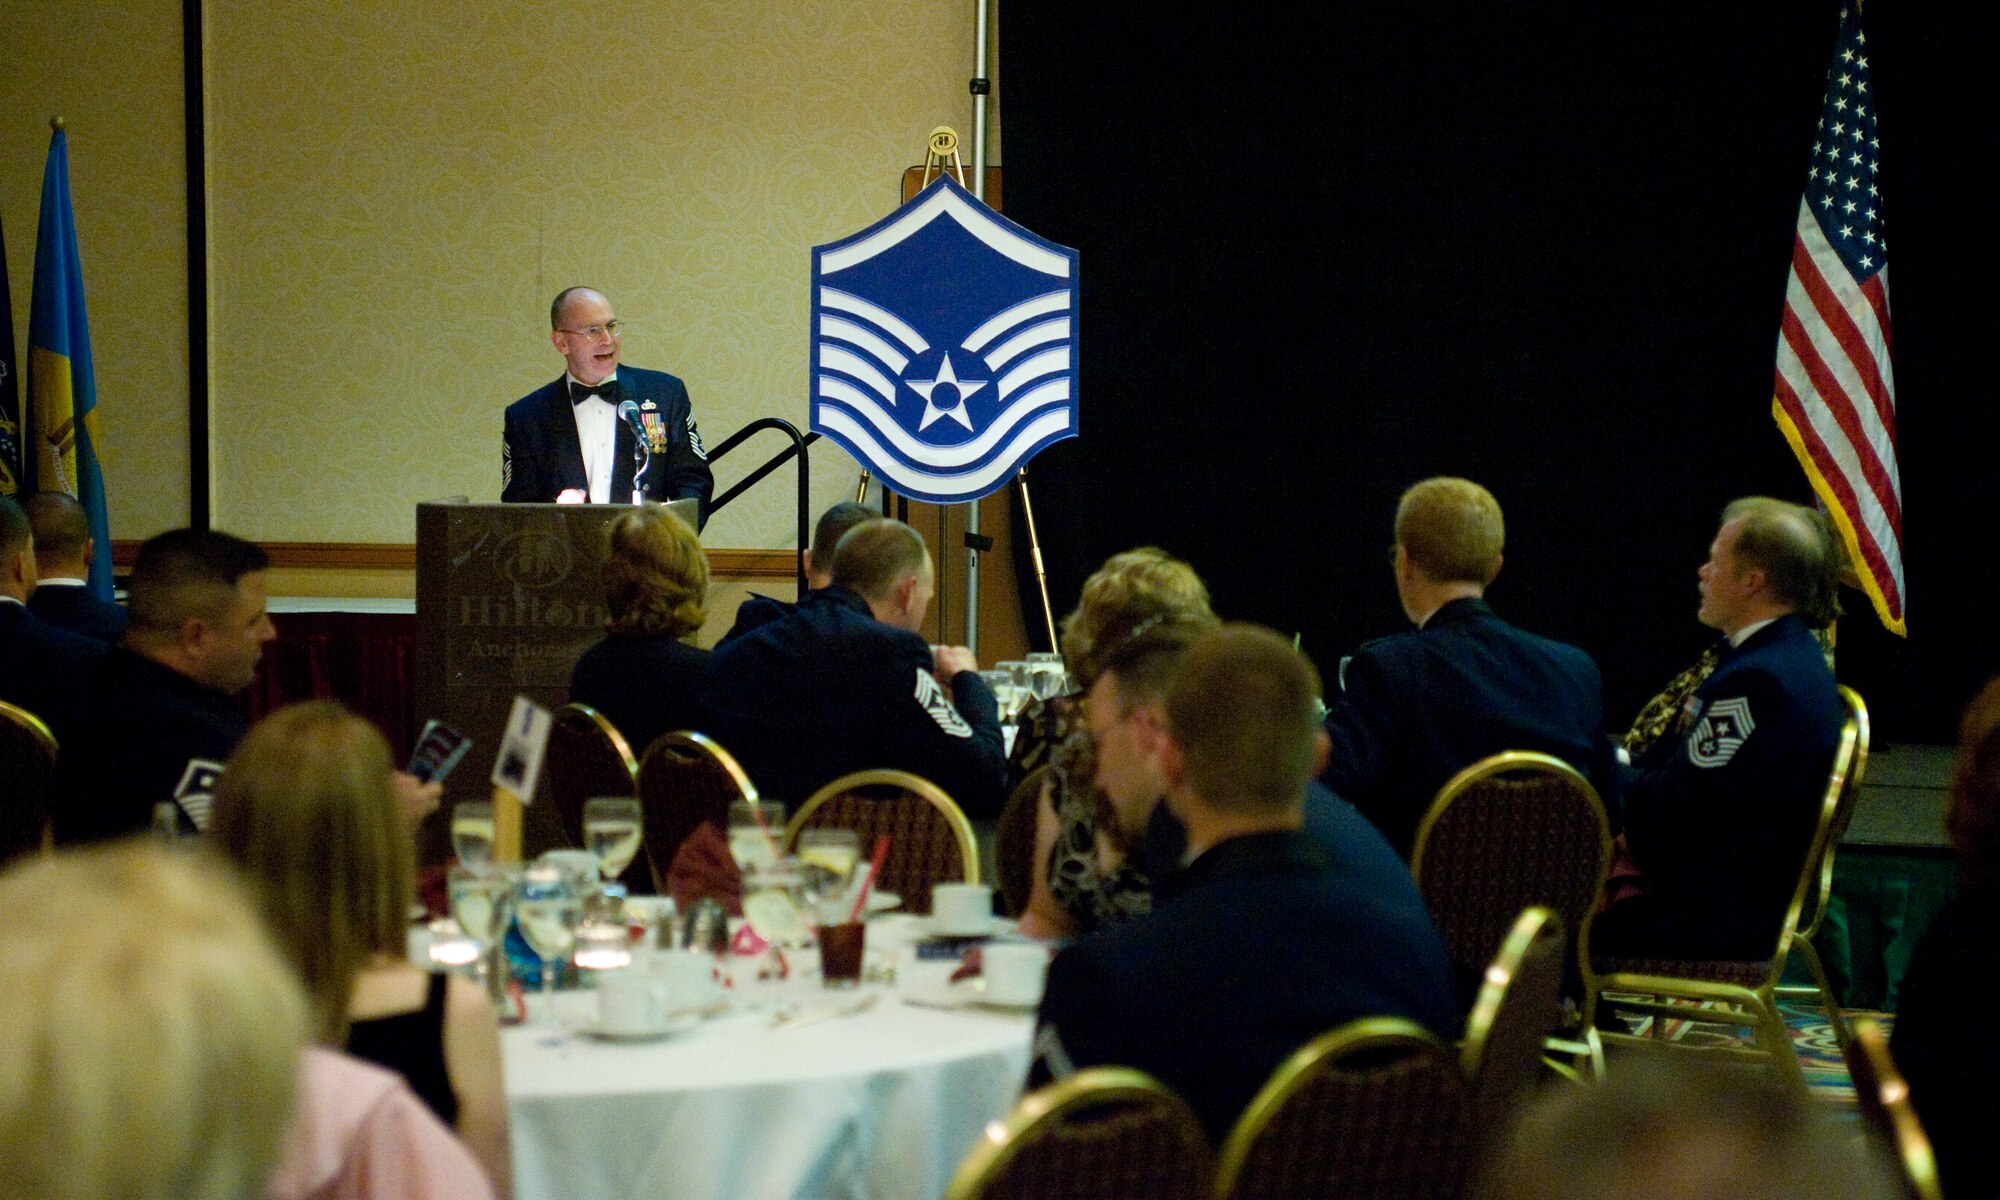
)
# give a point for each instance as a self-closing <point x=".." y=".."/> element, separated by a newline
<point x="417" y="800"/>
<point x="953" y="659"/>
<point x="572" y="496"/>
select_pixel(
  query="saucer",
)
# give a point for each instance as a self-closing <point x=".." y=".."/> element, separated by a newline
<point x="979" y="998"/>
<point x="927" y="927"/>
<point x="678" y="1023"/>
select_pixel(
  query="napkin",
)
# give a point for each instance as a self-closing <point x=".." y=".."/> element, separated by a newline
<point x="703" y="869"/>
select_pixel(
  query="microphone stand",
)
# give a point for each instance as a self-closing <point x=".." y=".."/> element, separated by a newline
<point x="642" y="461"/>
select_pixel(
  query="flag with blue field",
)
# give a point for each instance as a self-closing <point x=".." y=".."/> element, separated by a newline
<point x="62" y="388"/>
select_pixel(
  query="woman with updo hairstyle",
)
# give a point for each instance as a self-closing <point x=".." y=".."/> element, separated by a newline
<point x="1952" y="1066"/>
<point x="645" y="677"/>
<point x="1083" y="876"/>
<point x="308" y="809"/>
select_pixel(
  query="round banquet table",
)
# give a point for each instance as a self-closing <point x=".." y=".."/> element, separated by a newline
<point x="883" y="1103"/>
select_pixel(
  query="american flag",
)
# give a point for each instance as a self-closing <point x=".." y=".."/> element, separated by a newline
<point x="1835" y="395"/>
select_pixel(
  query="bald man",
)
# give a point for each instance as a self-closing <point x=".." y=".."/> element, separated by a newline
<point x="565" y="442"/>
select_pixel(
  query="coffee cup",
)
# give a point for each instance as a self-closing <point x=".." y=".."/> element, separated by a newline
<point x="626" y="1002"/>
<point x="1014" y="972"/>
<point x="961" y="909"/>
<point x="684" y="979"/>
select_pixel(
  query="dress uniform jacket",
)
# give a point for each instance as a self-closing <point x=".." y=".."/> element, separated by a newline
<point x="1252" y="950"/>
<point x="43" y="668"/>
<point x="541" y="455"/>
<point x="1719" y="818"/>
<point x="1419" y="707"/>
<point x="645" y="684"/>
<point x="828" y="689"/>
<point x="78" y="610"/>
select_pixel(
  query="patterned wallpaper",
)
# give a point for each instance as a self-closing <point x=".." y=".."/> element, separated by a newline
<point x="397" y="191"/>
<point x="116" y="80"/>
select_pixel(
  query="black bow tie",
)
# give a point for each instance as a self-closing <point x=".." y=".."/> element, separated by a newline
<point x="606" y="391"/>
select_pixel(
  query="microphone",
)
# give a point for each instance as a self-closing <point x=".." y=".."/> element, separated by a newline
<point x="628" y="412"/>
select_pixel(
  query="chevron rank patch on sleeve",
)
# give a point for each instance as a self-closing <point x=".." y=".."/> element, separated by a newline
<point x="1722" y="731"/>
<point x="506" y="462"/>
<point x="939" y="705"/>
<point x="195" y="793"/>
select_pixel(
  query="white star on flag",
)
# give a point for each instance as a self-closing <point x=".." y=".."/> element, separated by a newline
<point x="924" y="388"/>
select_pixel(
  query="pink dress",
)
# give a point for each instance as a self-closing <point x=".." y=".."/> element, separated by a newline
<point x="361" y="1134"/>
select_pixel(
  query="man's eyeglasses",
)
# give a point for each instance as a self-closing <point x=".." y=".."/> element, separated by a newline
<point x="596" y="333"/>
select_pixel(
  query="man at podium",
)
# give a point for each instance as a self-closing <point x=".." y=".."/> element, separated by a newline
<point x="576" y="440"/>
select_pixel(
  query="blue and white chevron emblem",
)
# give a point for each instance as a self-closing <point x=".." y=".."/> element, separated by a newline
<point x="944" y="345"/>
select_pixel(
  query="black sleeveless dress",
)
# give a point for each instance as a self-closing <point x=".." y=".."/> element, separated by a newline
<point x="412" y="1045"/>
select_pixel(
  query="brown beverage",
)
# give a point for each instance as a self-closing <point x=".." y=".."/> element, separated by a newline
<point x="840" y="954"/>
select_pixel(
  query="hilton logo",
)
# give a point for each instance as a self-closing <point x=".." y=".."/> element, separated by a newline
<point x="534" y="559"/>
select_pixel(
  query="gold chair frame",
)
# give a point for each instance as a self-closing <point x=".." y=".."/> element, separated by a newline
<point x="1884" y="1097"/>
<point x="1014" y="833"/>
<point x="1754" y="1007"/>
<point x="1043" y="1111"/>
<point x="584" y="718"/>
<point x="38" y="733"/>
<point x="1817" y="900"/>
<point x="696" y="745"/>
<point x="1531" y="927"/>
<point x="1363" y="1036"/>
<point x="1585" y="1047"/>
<point x="931" y="793"/>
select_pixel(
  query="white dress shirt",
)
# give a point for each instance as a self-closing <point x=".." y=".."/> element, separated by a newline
<point x="597" y="430"/>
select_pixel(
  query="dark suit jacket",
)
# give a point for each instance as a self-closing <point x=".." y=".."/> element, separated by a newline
<point x="1719" y="816"/>
<point x="1419" y="707"/>
<point x="646" y="684"/>
<point x="541" y="456"/>
<point x="1954" y="972"/>
<point x="1252" y="950"/>
<point x="828" y="689"/>
<point x="45" y="669"/>
<point x="78" y="610"/>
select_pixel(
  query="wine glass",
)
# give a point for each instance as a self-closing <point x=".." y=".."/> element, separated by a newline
<point x="548" y="908"/>
<point x="482" y="902"/>
<point x="611" y="831"/>
<point x="828" y="857"/>
<point x="755" y="828"/>
<point x="472" y="832"/>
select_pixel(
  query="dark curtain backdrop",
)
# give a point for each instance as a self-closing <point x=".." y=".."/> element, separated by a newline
<point x="1329" y="252"/>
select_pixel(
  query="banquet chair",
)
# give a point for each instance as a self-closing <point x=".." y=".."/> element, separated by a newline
<point x="27" y="763"/>
<point x="685" y="779"/>
<point x="1518" y="1004"/>
<point x="1821" y="891"/>
<point x="1884" y="1099"/>
<point x="1014" y="843"/>
<point x="930" y="840"/>
<point x="1375" y="1109"/>
<point x="1514" y="831"/>
<point x="1732" y="994"/>
<point x="1105" y="1131"/>
<point x="586" y="757"/>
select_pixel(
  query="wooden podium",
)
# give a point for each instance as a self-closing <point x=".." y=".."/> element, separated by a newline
<point x="508" y="597"/>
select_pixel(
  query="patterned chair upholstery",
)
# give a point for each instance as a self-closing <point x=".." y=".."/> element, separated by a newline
<point x="1742" y="995"/>
<point x="1106" y="1131"/>
<point x="1374" y="1109"/>
<point x="1517" y="1006"/>
<point x="1884" y="1099"/>
<point x="27" y="762"/>
<point x="930" y="840"/>
<point x="1014" y="843"/>
<point x="586" y="758"/>
<point x="685" y="779"/>
<point x="1514" y="831"/>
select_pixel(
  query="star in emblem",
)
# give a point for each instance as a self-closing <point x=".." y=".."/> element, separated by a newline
<point x="954" y="401"/>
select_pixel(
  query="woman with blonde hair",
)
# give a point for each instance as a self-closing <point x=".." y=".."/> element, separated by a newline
<point x="645" y="677"/>
<point x="308" y="808"/>
<point x="1084" y="875"/>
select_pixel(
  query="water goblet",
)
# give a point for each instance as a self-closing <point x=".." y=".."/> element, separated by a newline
<point x="755" y="829"/>
<point x="472" y="832"/>
<point x="548" y="908"/>
<point x="612" y="831"/>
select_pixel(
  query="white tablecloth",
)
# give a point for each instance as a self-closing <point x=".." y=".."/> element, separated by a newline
<point x="882" y="1104"/>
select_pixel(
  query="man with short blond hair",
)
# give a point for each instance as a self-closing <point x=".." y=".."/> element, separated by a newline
<point x="1418" y="707"/>
<point x="845" y="682"/>
<point x="1228" y="723"/>
<point x="63" y="548"/>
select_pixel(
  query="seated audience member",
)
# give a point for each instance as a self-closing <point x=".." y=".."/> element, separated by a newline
<point x="63" y="547"/>
<point x="164" y="713"/>
<point x="1264" y="940"/>
<point x="42" y="666"/>
<point x="1953" y="1070"/>
<point x="1086" y="874"/>
<point x="845" y="683"/>
<point x="644" y="677"/>
<point x="1661" y="1130"/>
<point x="308" y="807"/>
<point x="151" y="1046"/>
<point x="1416" y="708"/>
<point x="833" y="525"/>
<point x="1719" y="815"/>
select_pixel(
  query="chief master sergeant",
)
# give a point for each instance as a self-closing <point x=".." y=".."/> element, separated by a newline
<point x="564" y="441"/>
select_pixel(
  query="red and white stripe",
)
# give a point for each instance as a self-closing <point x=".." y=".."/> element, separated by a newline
<point x="1835" y="385"/>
